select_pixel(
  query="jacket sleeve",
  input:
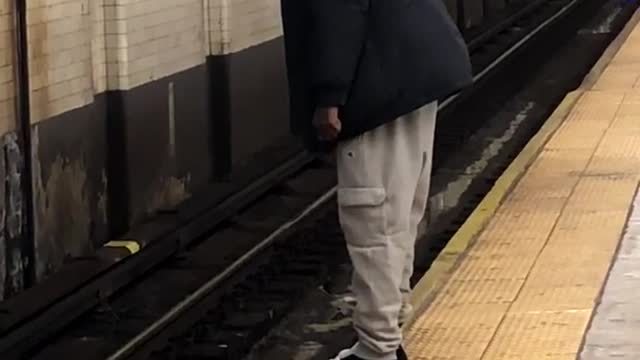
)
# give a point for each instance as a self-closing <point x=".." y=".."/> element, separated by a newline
<point x="338" y="31"/>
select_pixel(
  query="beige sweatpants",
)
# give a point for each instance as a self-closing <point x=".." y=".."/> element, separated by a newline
<point x="383" y="186"/>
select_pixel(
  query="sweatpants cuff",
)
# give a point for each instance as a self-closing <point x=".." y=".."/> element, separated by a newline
<point x="365" y="353"/>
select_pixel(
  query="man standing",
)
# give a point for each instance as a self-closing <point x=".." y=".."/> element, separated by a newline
<point x="366" y="75"/>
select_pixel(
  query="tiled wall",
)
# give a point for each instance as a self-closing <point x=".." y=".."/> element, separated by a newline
<point x="7" y="87"/>
<point x="102" y="76"/>
<point x="238" y="24"/>
<point x="150" y="39"/>
<point x="59" y="33"/>
<point x="79" y="47"/>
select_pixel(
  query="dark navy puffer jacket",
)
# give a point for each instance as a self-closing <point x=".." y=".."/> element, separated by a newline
<point x="374" y="59"/>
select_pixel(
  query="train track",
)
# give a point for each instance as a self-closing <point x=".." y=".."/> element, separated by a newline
<point x="235" y="280"/>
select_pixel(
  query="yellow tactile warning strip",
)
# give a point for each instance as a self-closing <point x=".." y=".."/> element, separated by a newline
<point x="624" y="70"/>
<point x="449" y="257"/>
<point x="526" y="287"/>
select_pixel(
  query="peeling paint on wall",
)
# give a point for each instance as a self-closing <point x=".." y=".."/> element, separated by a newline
<point x="15" y="279"/>
<point x="14" y="203"/>
<point x="13" y="206"/>
<point x="3" y="265"/>
<point x="168" y="193"/>
<point x="62" y="211"/>
<point x="103" y="198"/>
<point x="3" y="243"/>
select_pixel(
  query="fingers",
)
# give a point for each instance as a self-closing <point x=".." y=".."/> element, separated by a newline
<point x="337" y="124"/>
<point x="328" y="132"/>
<point x="327" y="124"/>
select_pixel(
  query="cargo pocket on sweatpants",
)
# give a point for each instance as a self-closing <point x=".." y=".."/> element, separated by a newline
<point x="362" y="215"/>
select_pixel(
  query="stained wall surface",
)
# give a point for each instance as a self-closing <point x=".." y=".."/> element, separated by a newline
<point x="128" y="99"/>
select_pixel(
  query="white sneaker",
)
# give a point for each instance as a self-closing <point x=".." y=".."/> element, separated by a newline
<point x="346" y="354"/>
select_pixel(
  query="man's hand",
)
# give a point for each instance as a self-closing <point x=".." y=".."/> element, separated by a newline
<point x="327" y="123"/>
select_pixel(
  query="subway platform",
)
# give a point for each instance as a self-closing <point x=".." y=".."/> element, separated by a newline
<point x="548" y="266"/>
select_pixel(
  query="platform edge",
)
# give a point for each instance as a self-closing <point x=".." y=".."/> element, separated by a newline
<point x="442" y="267"/>
<point x="610" y="52"/>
